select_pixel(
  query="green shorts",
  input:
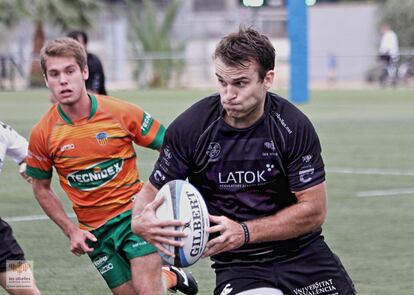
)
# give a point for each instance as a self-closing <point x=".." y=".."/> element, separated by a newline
<point x="116" y="245"/>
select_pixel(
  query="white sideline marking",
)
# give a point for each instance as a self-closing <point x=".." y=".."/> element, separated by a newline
<point x="371" y="171"/>
<point x="383" y="193"/>
<point x="32" y="218"/>
<point x="377" y="171"/>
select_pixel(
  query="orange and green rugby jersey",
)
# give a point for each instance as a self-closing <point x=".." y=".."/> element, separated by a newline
<point x="94" y="156"/>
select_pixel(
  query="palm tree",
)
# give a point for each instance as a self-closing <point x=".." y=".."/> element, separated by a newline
<point x="62" y="13"/>
<point x="154" y="38"/>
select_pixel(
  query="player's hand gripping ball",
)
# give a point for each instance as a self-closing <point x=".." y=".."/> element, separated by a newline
<point x="184" y="202"/>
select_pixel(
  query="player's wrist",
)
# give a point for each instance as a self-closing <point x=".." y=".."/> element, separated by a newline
<point x="70" y="230"/>
<point x="246" y="233"/>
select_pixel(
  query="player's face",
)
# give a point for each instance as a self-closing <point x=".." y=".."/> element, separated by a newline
<point x="242" y="94"/>
<point x="66" y="80"/>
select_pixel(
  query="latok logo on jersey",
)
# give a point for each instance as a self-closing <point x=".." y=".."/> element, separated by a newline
<point x="245" y="178"/>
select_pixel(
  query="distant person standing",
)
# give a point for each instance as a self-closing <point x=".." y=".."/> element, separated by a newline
<point x="96" y="81"/>
<point x="389" y="53"/>
<point x="332" y="66"/>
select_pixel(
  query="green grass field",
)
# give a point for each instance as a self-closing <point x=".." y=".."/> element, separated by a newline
<point x="367" y="139"/>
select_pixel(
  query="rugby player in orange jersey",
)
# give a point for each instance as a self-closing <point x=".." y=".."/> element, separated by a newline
<point x="89" y="140"/>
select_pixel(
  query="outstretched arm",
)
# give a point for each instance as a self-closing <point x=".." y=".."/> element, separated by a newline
<point x="53" y="207"/>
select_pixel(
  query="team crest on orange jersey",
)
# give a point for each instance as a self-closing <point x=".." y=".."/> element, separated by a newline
<point x="102" y="138"/>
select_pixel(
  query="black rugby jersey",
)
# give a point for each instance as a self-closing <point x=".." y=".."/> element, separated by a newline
<point x="245" y="173"/>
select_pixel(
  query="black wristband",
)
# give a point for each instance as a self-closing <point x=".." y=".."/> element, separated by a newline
<point x="246" y="232"/>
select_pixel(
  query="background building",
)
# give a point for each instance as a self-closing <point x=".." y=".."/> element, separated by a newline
<point x="343" y="41"/>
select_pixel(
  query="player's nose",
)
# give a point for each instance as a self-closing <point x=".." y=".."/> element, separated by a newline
<point x="62" y="78"/>
<point x="230" y="93"/>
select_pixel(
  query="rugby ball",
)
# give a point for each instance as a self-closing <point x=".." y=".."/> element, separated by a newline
<point x="184" y="202"/>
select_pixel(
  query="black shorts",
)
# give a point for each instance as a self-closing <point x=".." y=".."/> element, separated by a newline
<point x="311" y="270"/>
<point x="9" y="248"/>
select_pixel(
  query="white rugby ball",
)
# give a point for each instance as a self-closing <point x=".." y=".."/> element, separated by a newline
<point x="184" y="202"/>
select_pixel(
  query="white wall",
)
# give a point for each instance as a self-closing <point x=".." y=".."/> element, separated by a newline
<point x="347" y="31"/>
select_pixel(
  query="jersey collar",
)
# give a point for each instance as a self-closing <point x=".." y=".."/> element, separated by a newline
<point x="94" y="107"/>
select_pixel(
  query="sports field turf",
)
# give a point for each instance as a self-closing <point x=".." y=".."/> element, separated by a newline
<point x="367" y="139"/>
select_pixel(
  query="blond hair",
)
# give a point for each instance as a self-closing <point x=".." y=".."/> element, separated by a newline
<point x="63" y="47"/>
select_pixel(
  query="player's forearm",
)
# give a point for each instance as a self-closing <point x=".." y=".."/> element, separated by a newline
<point x="53" y="208"/>
<point x="286" y="224"/>
<point x="144" y="197"/>
<point x="301" y="218"/>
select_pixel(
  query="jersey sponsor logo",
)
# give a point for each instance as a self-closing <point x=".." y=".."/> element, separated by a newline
<point x="37" y="157"/>
<point x="159" y="176"/>
<point x="139" y="244"/>
<point x="306" y="159"/>
<point x="213" y="150"/>
<point x="167" y="152"/>
<point x="270" y="149"/>
<point x="67" y="147"/>
<point x="166" y="158"/>
<point x="282" y="121"/>
<point x="96" y="175"/>
<point x="319" y="287"/>
<point x="269" y="167"/>
<point x="306" y="175"/>
<point x="106" y="268"/>
<point x="245" y="178"/>
<point x="146" y="123"/>
<point x="100" y="260"/>
<point x="240" y="177"/>
<point x="270" y="145"/>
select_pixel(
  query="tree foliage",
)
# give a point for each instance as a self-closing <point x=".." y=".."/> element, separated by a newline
<point x="399" y="14"/>
<point x="153" y="35"/>
<point x="65" y="14"/>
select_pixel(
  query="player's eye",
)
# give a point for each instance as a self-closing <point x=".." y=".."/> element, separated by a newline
<point x="222" y="83"/>
<point x="53" y="74"/>
<point x="241" y="84"/>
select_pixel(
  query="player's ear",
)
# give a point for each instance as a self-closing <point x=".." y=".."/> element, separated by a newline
<point x="268" y="79"/>
<point x="85" y="72"/>
<point x="45" y="79"/>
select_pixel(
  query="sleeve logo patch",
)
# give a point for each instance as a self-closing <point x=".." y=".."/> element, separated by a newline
<point x="306" y="175"/>
<point x="146" y="124"/>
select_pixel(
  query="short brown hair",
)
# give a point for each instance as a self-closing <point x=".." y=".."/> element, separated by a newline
<point x="63" y="47"/>
<point x="247" y="45"/>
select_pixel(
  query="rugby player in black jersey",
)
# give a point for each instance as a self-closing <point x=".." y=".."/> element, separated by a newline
<point x="256" y="159"/>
